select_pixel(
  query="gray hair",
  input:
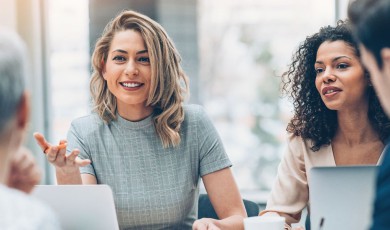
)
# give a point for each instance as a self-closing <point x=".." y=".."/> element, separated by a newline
<point x="12" y="74"/>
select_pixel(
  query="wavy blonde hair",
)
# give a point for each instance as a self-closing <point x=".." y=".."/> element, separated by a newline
<point x="169" y="83"/>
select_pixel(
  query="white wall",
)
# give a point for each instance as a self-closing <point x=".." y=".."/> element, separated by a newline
<point x="8" y="14"/>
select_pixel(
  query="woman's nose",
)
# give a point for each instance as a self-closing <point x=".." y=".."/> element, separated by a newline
<point x="131" y="68"/>
<point x="329" y="76"/>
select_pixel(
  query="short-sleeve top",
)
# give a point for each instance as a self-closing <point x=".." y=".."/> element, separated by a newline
<point x="290" y="193"/>
<point x="153" y="187"/>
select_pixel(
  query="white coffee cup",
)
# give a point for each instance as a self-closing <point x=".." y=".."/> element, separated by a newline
<point x="264" y="223"/>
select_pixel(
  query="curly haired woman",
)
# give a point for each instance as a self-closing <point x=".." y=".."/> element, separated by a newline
<point x="337" y="116"/>
<point x="142" y="141"/>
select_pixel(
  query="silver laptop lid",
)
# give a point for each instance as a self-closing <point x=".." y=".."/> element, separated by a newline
<point x="80" y="206"/>
<point x="341" y="197"/>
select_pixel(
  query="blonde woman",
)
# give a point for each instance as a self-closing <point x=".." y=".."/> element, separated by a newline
<point x="142" y="141"/>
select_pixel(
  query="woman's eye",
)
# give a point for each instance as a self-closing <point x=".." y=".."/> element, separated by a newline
<point x="342" y="66"/>
<point x="119" y="58"/>
<point x="319" y="70"/>
<point x="144" y="59"/>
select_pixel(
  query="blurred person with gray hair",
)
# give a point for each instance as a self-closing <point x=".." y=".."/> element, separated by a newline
<point x="18" y="170"/>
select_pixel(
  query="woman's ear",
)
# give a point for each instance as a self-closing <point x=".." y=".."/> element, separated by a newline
<point x="103" y="64"/>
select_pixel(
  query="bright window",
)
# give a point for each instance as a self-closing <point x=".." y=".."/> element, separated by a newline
<point x="244" y="48"/>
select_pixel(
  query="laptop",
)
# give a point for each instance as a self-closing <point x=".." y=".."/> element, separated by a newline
<point x="80" y="206"/>
<point x="341" y="197"/>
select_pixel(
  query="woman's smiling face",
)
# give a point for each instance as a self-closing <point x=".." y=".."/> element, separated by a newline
<point x="128" y="72"/>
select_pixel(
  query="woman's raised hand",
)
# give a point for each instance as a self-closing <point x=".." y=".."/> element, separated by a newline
<point x="56" y="155"/>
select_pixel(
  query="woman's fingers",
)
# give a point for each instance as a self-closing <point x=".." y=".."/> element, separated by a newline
<point x="61" y="156"/>
<point x="70" y="159"/>
<point x="57" y="154"/>
<point x="63" y="141"/>
<point x="80" y="162"/>
<point x="73" y="159"/>
<point x="52" y="154"/>
<point x="42" y="142"/>
<point x="62" y="144"/>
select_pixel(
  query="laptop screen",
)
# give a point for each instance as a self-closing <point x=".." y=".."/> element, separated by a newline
<point x="341" y="197"/>
<point x="80" y="206"/>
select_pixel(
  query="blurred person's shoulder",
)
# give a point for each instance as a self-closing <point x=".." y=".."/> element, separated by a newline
<point x="19" y="210"/>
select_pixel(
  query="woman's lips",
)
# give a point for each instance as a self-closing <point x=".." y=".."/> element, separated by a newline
<point x="130" y="86"/>
<point x="330" y="91"/>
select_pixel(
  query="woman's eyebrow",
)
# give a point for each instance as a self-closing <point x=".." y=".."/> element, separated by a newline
<point x="119" y="50"/>
<point x="125" y="52"/>
<point x="334" y="59"/>
<point x="339" y="57"/>
<point x="142" y="51"/>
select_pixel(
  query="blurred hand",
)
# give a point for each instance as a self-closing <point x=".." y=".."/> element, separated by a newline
<point x="24" y="172"/>
<point x="204" y="224"/>
<point x="298" y="228"/>
<point x="56" y="155"/>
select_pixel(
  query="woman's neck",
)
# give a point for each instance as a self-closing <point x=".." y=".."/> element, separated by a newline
<point x="354" y="127"/>
<point x="134" y="113"/>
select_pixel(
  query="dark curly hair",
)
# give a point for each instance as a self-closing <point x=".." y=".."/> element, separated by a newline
<point x="312" y="119"/>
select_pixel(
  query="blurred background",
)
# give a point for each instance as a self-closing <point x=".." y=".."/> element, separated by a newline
<point x="233" y="51"/>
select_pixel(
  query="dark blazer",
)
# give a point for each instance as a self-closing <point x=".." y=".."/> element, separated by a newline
<point x="381" y="215"/>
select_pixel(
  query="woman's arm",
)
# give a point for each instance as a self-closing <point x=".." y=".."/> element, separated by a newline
<point x="226" y="200"/>
<point x="290" y="193"/>
<point x="88" y="178"/>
